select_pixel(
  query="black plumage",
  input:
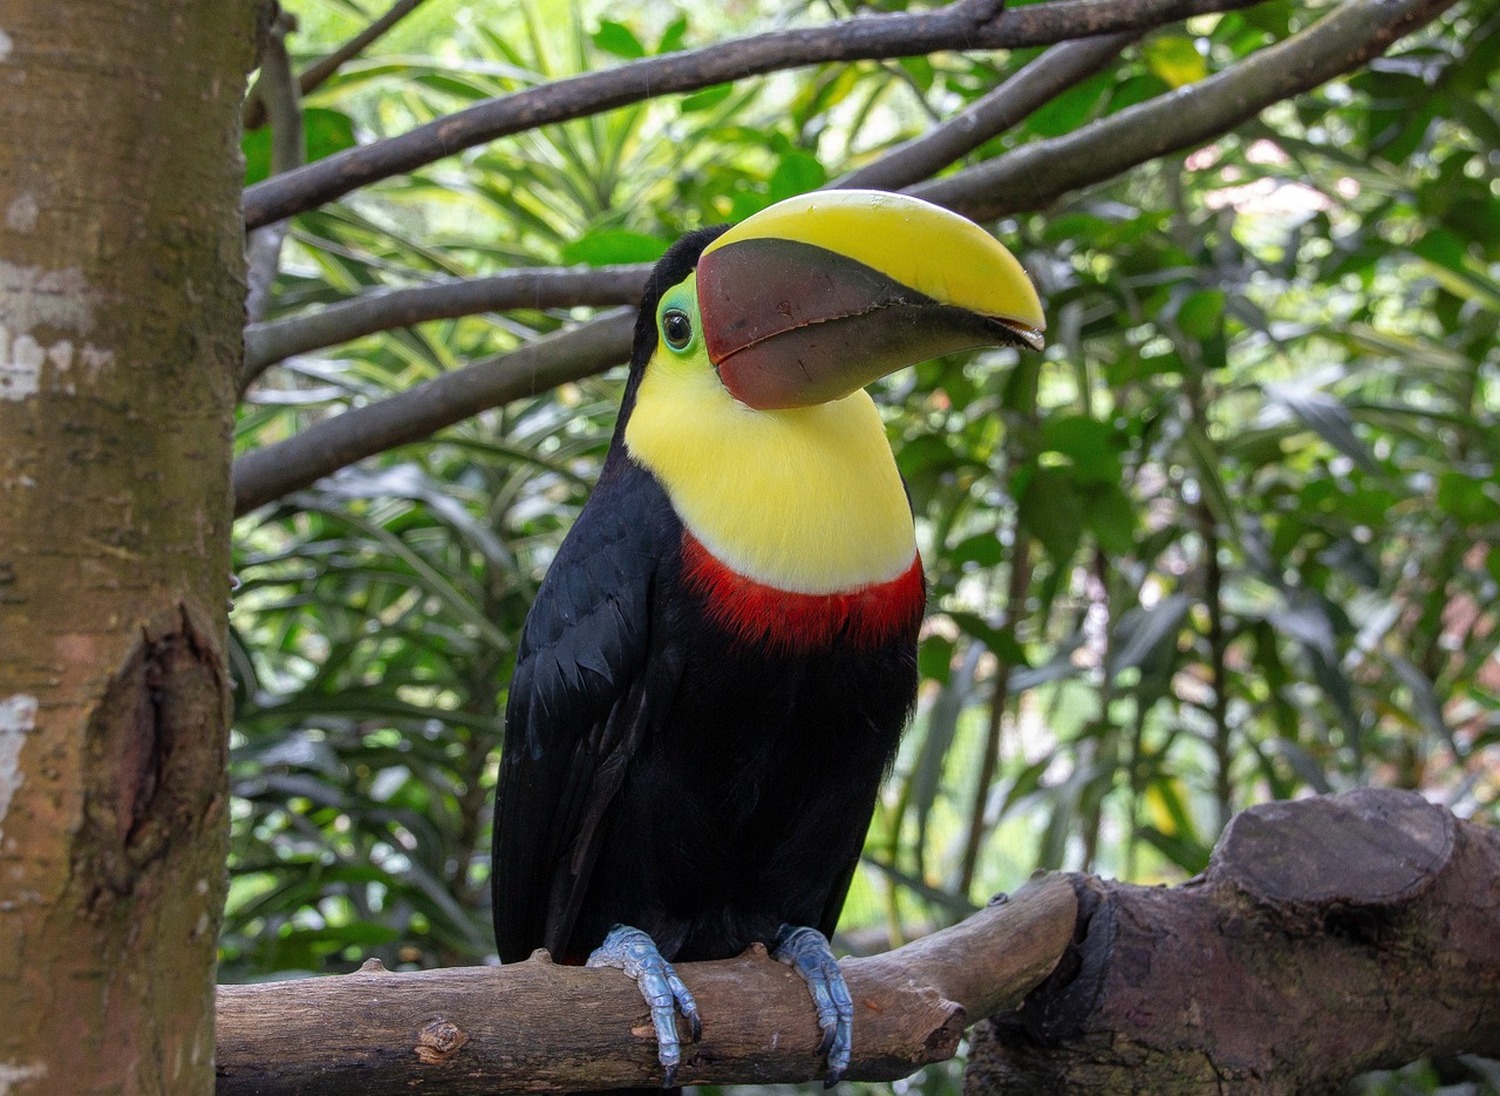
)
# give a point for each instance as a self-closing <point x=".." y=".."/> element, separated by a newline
<point x="661" y="773"/>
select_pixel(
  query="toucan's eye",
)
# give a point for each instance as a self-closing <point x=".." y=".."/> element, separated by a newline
<point x="677" y="328"/>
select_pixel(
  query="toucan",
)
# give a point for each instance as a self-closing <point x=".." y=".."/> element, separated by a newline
<point x="717" y="668"/>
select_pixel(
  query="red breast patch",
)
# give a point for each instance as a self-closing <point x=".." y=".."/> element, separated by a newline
<point x="791" y="622"/>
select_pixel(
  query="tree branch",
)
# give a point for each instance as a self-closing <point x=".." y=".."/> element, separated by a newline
<point x="964" y="25"/>
<point x="254" y="112"/>
<point x="266" y="474"/>
<point x="1029" y="178"/>
<point x="1033" y="175"/>
<point x="536" y="1026"/>
<point x="288" y="152"/>
<point x="1329" y="936"/>
<point x="992" y="114"/>
<point x="381" y="310"/>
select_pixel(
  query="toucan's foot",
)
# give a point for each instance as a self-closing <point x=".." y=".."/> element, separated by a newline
<point x="807" y="951"/>
<point x="634" y="952"/>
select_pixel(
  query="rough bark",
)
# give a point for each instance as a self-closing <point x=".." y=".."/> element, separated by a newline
<point x="534" y="1027"/>
<point x="1328" y="937"/>
<point x="120" y="316"/>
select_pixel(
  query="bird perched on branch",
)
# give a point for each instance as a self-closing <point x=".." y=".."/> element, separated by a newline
<point x="719" y="664"/>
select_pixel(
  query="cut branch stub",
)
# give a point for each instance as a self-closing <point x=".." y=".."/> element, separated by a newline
<point x="1329" y="936"/>
<point x="1369" y="849"/>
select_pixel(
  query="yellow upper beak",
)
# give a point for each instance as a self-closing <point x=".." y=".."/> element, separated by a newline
<point x="814" y="297"/>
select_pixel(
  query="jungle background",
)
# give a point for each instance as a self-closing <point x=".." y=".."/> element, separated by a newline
<point x="1231" y="538"/>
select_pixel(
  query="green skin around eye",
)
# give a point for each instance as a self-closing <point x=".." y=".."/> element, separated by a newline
<point x="680" y="300"/>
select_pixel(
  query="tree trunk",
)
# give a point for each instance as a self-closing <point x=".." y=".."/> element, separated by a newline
<point x="120" y="312"/>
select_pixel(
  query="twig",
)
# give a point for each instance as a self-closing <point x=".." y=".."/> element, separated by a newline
<point x="288" y="152"/>
<point x="1059" y="68"/>
<point x="266" y="474"/>
<point x="967" y="25"/>
<point x="381" y="310"/>
<point x="254" y="112"/>
<point x="1032" y="176"/>
<point x="535" y="1026"/>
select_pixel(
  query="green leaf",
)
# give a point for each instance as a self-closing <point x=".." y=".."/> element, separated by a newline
<point x="324" y="133"/>
<point x="614" y="245"/>
<point x="1141" y="633"/>
<point x="1201" y="314"/>
<point x="1449" y="263"/>
<point x="674" y="35"/>
<point x="1066" y="112"/>
<point x="706" y="99"/>
<point x="1088" y="444"/>
<point x="1112" y="518"/>
<point x="797" y="173"/>
<point x="998" y="641"/>
<point x="984" y="549"/>
<point x="1175" y="59"/>
<point x="1469" y="500"/>
<point x="1136" y="89"/>
<point x="1330" y="419"/>
<point x="255" y="146"/>
<point x="935" y="658"/>
<point x="1053" y="511"/>
<point x="618" y="39"/>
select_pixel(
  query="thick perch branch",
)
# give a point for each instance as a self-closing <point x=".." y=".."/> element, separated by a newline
<point x="1328" y="937"/>
<point x="966" y="25"/>
<point x="535" y="1026"/>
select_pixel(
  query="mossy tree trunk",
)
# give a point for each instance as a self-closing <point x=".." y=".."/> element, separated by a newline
<point x="121" y="293"/>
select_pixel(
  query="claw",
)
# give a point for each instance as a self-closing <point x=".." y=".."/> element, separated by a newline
<point x="634" y="952"/>
<point x="806" y="951"/>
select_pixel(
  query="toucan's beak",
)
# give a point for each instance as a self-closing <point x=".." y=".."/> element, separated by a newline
<point x="815" y="297"/>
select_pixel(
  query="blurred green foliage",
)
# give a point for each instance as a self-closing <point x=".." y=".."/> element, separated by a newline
<point x="1233" y="537"/>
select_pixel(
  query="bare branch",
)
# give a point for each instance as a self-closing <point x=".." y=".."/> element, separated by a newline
<point x="381" y="310"/>
<point x="1329" y="936"/>
<point x="288" y="152"/>
<point x="1027" y="179"/>
<point x="1033" y="175"/>
<point x="536" y="1026"/>
<point x="266" y="474"/>
<point x="965" y="25"/>
<point x="254" y="113"/>
<point x="1053" y="72"/>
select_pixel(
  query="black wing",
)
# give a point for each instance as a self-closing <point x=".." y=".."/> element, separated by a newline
<point x="578" y="707"/>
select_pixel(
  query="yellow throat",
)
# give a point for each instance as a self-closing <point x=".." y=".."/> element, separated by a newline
<point x="806" y="499"/>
